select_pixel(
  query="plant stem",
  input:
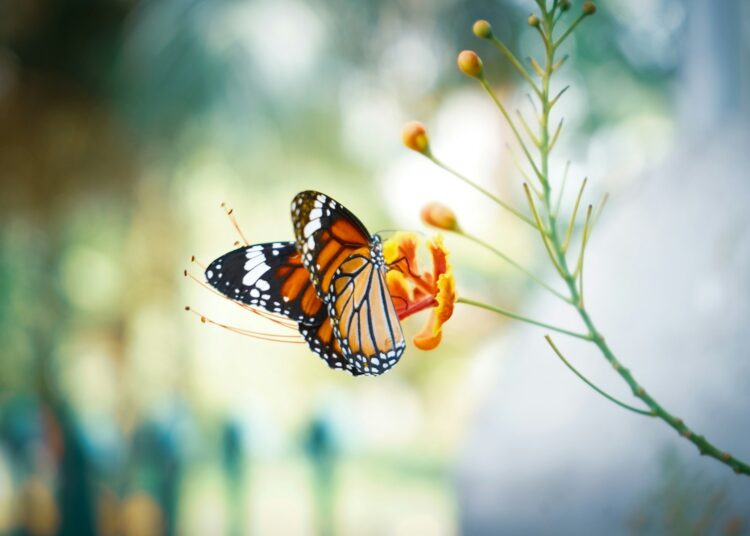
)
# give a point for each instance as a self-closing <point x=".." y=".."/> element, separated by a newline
<point x="511" y="124"/>
<point x="594" y="387"/>
<point x="515" y="316"/>
<point x="505" y="51"/>
<point x="513" y="263"/>
<point x="474" y="185"/>
<point x="552" y="240"/>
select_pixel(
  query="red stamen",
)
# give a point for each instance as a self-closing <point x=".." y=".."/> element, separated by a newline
<point x="417" y="306"/>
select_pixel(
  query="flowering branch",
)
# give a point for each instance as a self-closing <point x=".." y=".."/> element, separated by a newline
<point x="415" y="138"/>
<point x="545" y="215"/>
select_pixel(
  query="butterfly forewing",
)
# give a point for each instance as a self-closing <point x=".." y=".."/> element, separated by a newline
<point x="364" y="319"/>
<point x="268" y="276"/>
<point x="326" y="234"/>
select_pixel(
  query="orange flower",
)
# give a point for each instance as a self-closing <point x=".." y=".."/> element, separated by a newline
<point x="414" y="290"/>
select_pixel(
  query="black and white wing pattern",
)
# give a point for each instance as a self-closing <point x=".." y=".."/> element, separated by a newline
<point x="326" y="234"/>
<point x="330" y="280"/>
<point x="271" y="277"/>
<point x="321" y="341"/>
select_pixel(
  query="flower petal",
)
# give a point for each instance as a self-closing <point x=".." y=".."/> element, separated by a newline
<point x="439" y="256"/>
<point x="402" y="246"/>
<point x="446" y="296"/>
<point x="430" y="336"/>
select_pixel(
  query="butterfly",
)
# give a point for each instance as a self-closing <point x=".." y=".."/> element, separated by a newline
<point x="330" y="280"/>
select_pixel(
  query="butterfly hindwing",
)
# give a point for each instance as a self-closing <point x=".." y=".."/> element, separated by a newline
<point x="269" y="276"/>
<point x="326" y="234"/>
<point x="321" y="341"/>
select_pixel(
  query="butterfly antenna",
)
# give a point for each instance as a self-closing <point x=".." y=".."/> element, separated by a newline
<point x="292" y="339"/>
<point x="395" y="265"/>
<point x="288" y="324"/>
<point x="233" y="221"/>
<point x="394" y="231"/>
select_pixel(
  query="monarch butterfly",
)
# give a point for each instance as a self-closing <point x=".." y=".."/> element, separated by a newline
<point x="330" y="280"/>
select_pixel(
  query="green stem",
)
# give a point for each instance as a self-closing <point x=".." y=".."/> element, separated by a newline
<point x="513" y="263"/>
<point x="511" y="124"/>
<point x="556" y="248"/>
<point x="515" y="316"/>
<point x="474" y="185"/>
<point x="540" y="225"/>
<point x="573" y="216"/>
<point x="505" y="51"/>
<point x="593" y="386"/>
<point x="553" y="240"/>
<point x="567" y="32"/>
<point x="562" y="189"/>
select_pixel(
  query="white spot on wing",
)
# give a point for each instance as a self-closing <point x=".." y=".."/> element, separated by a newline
<point x="311" y="227"/>
<point x="253" y="262"/>
<point x="253" y="275"/>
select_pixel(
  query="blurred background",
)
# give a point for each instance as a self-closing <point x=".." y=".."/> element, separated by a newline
<point x="125" y="124"/>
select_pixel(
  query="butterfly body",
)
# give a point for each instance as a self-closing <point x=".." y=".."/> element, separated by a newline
<point x="330" y="280"/>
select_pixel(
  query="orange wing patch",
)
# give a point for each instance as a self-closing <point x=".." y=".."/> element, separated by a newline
<point x="327" y="234"/>
<point x="364" y="318"/>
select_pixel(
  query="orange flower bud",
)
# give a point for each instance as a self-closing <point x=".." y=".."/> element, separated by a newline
<point x="440" y="216"/>
<point x="533" y="20"/>
<point x="414" y="136"/>
<point x="470" y="63"/>
<point x="589" y="8"/>
<point x="482" y="29"/>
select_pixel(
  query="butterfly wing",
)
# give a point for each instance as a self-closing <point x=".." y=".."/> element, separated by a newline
<point x="321" y="340"/>
<point x="326" y="234"/>
<point x="364" y="320"/>
<point x="348" y="272"/>
<point x="268" y="276"/>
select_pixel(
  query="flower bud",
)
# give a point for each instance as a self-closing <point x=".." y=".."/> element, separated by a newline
<point x="470" y="63"/>
<point x="533" y="21"/>
<point x="589" y="8"/>
<point x="482" y="29"/>
<point x="439" y="216"/>
<point x="414" y="136"/>
<point x="564" y="5"/>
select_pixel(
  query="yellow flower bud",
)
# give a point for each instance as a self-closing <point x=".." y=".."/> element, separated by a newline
<point x="533" y="20"/>
<point x="482" y="29"/>
<point x="414" y="136"/>
<point x="589" y="8"/>
<point x="470" y="63"/>
<point x="440" y="216"/>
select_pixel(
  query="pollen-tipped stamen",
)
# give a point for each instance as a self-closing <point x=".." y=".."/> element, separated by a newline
<point x="194" y="260"/>
<point x="289" y="324"/>
<point x="272" y="337"/>
<point x="235" y="224"/>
